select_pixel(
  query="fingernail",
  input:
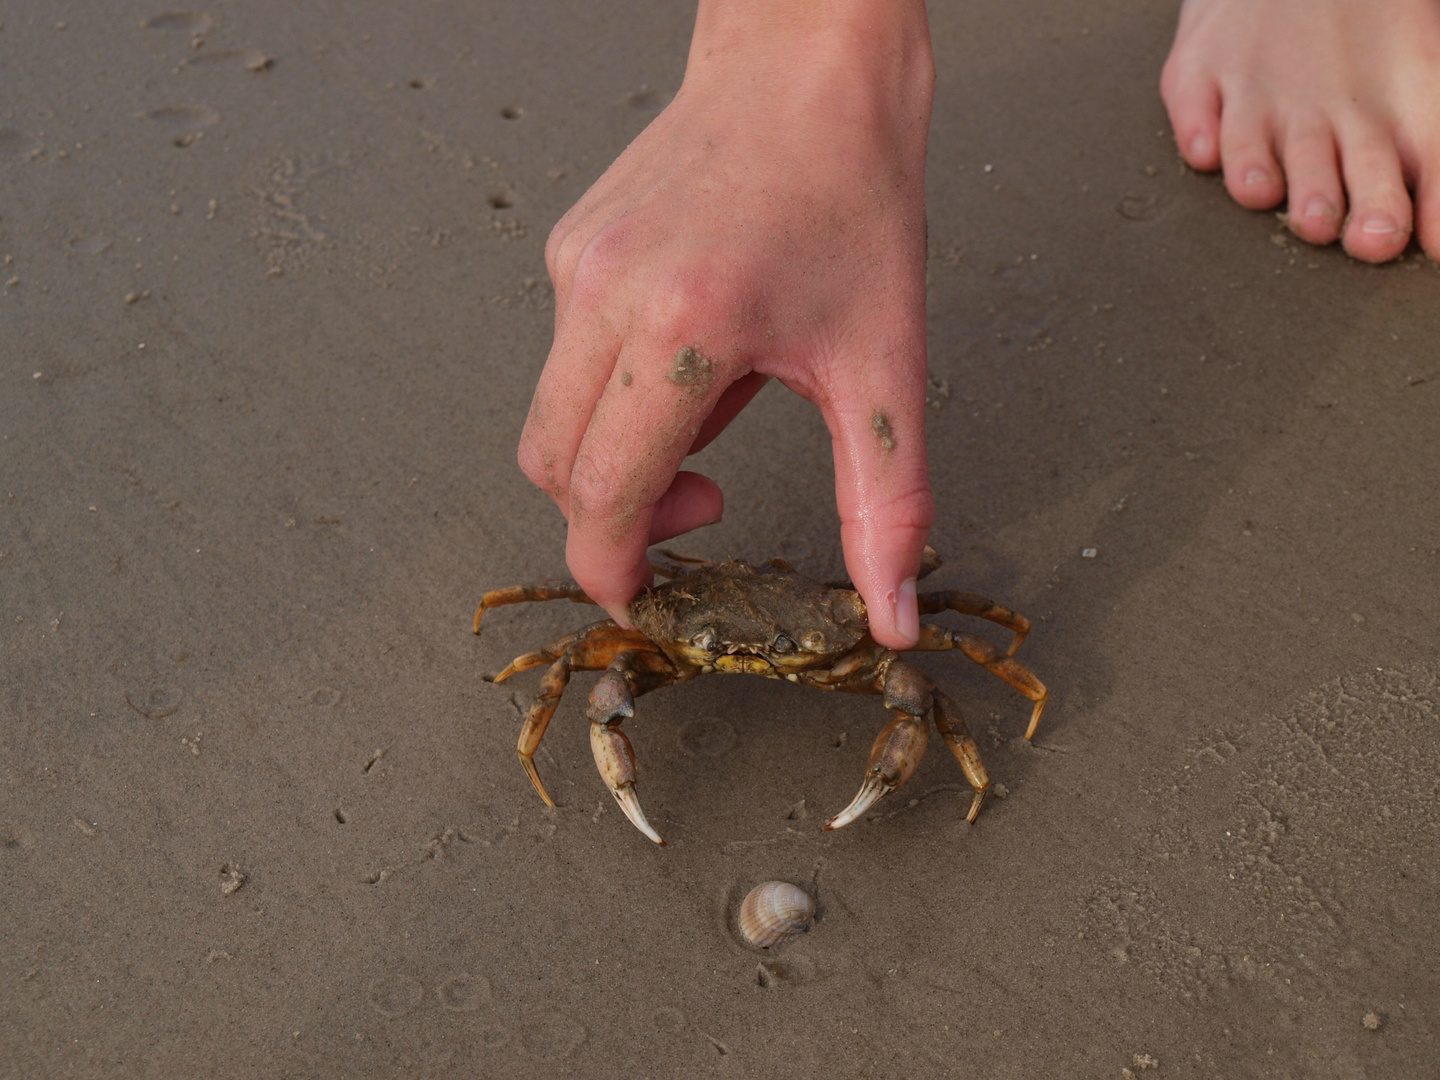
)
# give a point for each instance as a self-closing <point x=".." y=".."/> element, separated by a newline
<point x="1321" y="207"/>
<point x="1378" y="224"/>
<point x="1201" y="146"/>
<point x="907" y="611"/>
<point x="1258" y="176"/>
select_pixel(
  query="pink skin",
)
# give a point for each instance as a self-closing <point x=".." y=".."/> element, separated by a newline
<point x="1335" y="103"/>
<point x="772" y="219"/>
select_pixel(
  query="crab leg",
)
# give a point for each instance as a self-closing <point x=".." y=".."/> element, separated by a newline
<point x="967" y="603"/>
<point x="568" y="590"/>
<point x="548" y="655"/>
<point x="523" y="594"/>
<point x="689" y="562"/>
<point x="612" y="701"/>
<point x="589" y="650"/>
<point x="951" y="726"/>
<point x="899" y="747"/>
<point x="989" y="657"/>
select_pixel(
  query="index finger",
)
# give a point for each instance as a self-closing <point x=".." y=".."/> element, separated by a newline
<point x="641" y="430"/>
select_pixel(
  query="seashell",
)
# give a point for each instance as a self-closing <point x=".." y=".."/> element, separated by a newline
<point x="774" y="912"/>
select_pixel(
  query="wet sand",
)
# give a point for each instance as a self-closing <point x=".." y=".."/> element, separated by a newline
<point x="274" y="303"/>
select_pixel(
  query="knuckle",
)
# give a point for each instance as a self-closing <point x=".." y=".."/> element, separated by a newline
<point x="539" y="467"/>
<point x="587" y="258"/>
<point x="685" y="302"/>
<point x="555" y="262"/>
<point x="598" y="488"/>
<point x="606" y="253"/>
<point x="563" y="250"/>
<point x="529" y="459"/>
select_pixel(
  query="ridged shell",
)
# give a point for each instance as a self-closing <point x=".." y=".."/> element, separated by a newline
<point x="774" y="911"/>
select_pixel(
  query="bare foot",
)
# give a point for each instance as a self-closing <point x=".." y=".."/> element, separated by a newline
<point x="1338" y="100"/>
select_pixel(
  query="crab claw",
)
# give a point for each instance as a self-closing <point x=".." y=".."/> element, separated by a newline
<point x="893" y="760"/>
<point x="616" y="761"/>
<point x="611" y="702"/>
<point x="630" y="804"/>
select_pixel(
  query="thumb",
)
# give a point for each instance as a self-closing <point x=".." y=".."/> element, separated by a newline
<point x="882" y="491"/>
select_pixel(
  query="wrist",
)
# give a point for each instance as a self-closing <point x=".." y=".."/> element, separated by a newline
<point x="871" y="56"/>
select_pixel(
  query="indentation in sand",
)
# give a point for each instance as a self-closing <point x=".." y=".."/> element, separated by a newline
<point x="190" y="22"/>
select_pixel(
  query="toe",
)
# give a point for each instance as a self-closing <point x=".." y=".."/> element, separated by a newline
<point x="1193" y="102"/>
<point x="1380" y="212"/>
<point x="1312" y="175"/>
<point x="1252" y="175"/>
<point x="1427" y="206"/>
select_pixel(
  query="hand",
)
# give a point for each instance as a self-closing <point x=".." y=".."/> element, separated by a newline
<point x="769" y="223"/>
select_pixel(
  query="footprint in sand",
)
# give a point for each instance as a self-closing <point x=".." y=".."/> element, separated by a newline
<point x="1139" y="207"/>
<point x="185" y="122"/>
<point x="156" y="703"/>
<point x="324" y="696"/>
<point x="395" y="995"/>
<point x="465" y="993"/>
<point x="249" y="59"/>
<point x="708" y="737"/>
<point x="187" y="22"/>
<point x="90" y="245"/>
<point x="493" y="1036"/>
<point x="554" y="1036"/>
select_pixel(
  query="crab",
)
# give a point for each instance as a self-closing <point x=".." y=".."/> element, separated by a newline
<point x="768" y="620"/>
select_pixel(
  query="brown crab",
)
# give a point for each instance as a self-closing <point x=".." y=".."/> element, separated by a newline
<point x="762" y="620"/>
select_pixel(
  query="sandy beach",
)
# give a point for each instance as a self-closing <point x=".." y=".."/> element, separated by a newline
<point x="272" y="307"/>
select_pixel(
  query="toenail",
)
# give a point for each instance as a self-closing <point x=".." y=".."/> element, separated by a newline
<point x="1258" y="176"/>
<point x="1201" y="146"/>
<point x="1378" y="224"/>
<point x="1321" y="207"/>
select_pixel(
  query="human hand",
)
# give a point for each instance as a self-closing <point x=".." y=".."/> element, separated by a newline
<point x="770" y="222"/>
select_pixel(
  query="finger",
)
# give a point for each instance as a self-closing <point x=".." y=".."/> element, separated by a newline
<point x="882" y="489"/>
<point x="736" y="396"/>
<point x="639" y="434"/>
<point x="692" y="502"/>
<point x="580" y="365"/>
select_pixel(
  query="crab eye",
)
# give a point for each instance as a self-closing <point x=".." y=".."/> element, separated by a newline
<point x="705" y="639"/>
<point x="783" y="644"/>
<point x="814" y="641"/>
